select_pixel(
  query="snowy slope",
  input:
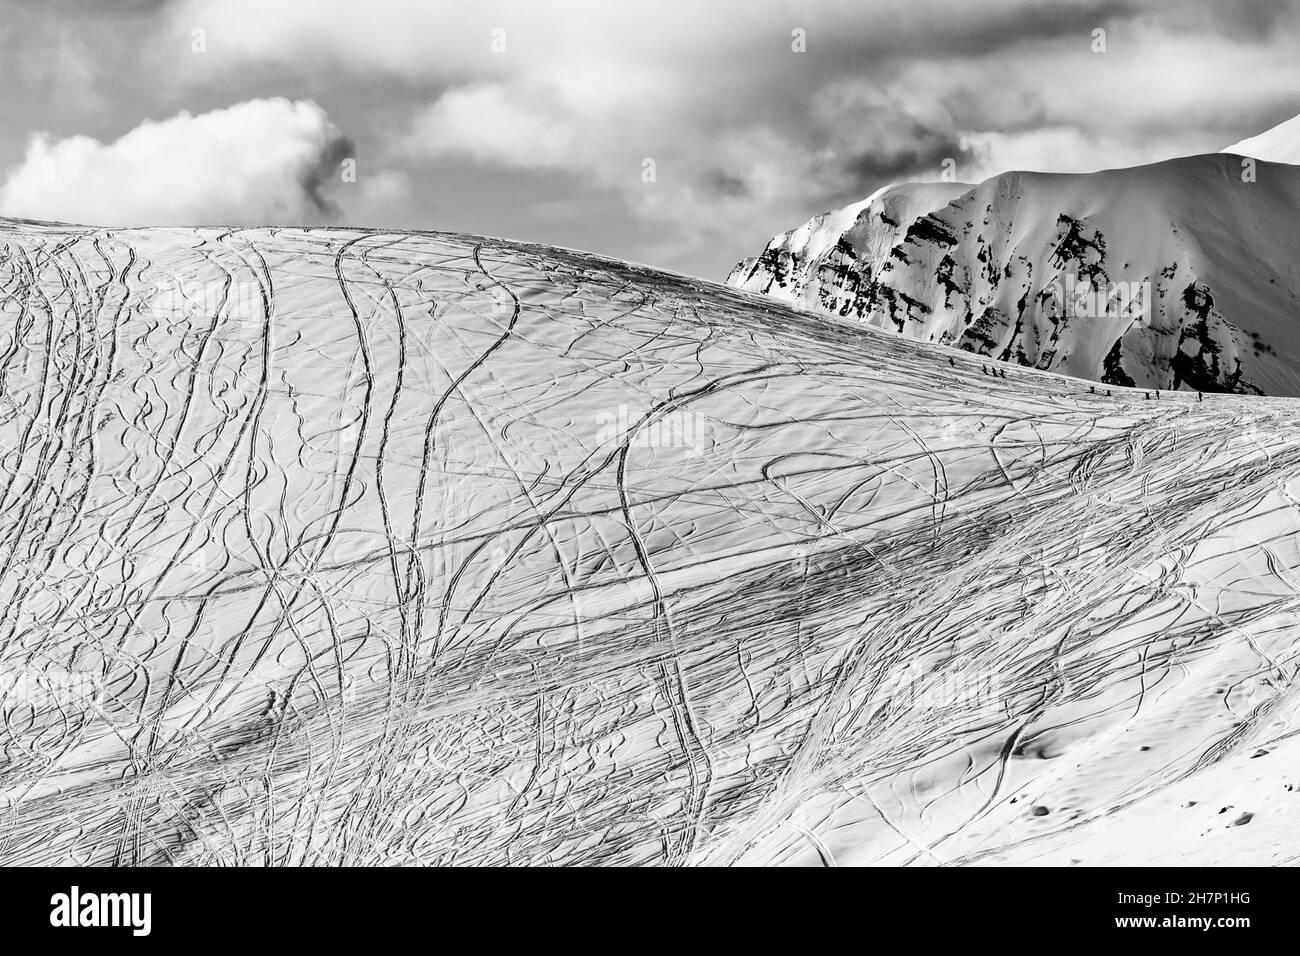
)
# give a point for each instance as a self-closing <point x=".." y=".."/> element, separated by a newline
<point x="344" y="547"/>
<point x="1198" y="263"/>
<point x="1281" y="144"/>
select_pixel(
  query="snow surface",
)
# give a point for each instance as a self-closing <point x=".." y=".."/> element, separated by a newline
<point x="1209" y="254"/>
<point x="390" y="548"/>
<point x="1281" y="144"/>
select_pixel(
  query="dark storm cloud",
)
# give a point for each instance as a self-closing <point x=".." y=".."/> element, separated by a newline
<point x="322" y="176"/>
<point x="1250" y="20"/>
<point x="871" y="170"/>
<point x="971" y="30"/>
<point x="726" y="184"/>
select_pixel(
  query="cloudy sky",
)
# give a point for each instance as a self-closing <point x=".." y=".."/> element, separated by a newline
<point x="535" y="119"/>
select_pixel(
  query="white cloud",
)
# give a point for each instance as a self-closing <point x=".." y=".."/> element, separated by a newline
<point x="703" y="184"/>
<point x="741" y="126"/>
<point x="385" y="186"/>
<point x="492" y="123"/>
<point x="1061" y="149"/>
<point x="749" y="136"/>
<point x="268" y="161"/>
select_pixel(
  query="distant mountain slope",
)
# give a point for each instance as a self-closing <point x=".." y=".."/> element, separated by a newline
<point x="1281" y="144"/>
<point x="1201" y="265"/>
<point x="344" y="547"/>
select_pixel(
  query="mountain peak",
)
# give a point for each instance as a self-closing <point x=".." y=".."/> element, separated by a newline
<point x="1175" y="275"/>
<point x="1281" y="144"/>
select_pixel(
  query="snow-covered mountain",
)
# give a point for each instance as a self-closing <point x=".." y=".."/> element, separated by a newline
<point x="1176" y="275"/>
<point x="332" y="546"/>
<point x="1281" y="144"/>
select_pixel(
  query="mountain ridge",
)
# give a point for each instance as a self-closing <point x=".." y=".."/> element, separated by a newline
<point x="981" y="267"/>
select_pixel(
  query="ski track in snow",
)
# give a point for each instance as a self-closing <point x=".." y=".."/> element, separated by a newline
<point x="368" y="560"/>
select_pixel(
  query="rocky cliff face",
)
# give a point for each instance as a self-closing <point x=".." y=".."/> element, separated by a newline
<point x="1178" y="275"/>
